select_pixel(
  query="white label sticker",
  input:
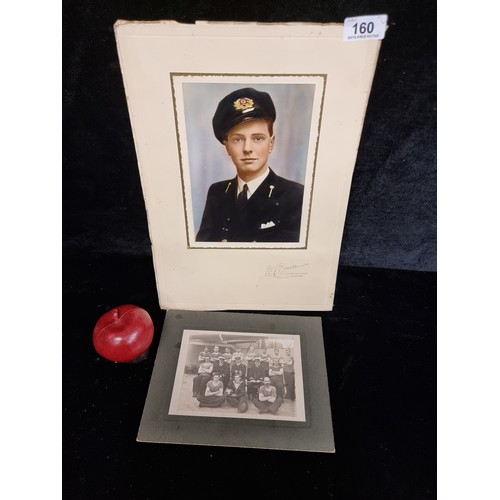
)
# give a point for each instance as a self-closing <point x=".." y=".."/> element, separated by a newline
<point x="365" y="28"/>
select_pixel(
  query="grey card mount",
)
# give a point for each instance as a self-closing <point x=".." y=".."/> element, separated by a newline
<point x="246" y="357"/>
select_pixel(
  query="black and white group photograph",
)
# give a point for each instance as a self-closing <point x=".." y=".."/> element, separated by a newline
<point x="239" y="375"/>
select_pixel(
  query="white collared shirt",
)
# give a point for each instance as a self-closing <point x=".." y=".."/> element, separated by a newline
<point x="253" y="184"/>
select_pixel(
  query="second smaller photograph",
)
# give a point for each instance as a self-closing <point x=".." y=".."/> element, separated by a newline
<point x="239" y="375"/>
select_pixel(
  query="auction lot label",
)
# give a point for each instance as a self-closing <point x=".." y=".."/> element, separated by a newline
<point x="365" y="28"/>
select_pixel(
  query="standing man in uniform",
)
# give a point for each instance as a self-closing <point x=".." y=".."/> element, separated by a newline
<point x="240" y="369"/>
<point x="223" y="369"/>
<point x="257" y="205"/>
<point x="265" y="360"/>
<point x="289" y="375"/>
<point x="255" y="378"/>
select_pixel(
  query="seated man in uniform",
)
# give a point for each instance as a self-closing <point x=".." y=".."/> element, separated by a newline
<point x="236" y="394"/>
<point x="268" y="401"/>
<point x="214" y="394"/>
<point x="257" y="205"/>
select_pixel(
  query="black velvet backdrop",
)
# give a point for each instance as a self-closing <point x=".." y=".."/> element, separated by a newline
<point x="380" y="338"/>
<point x="391" y="219"/>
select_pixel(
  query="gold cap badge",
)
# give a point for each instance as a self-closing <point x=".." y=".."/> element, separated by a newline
<point x="243" y="103"/>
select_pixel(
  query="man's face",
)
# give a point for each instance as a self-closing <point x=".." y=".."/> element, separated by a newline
<point x="267" y="381"/>
<point x="249" y="145"/>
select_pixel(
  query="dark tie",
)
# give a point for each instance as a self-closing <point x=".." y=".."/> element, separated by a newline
<point x="242" y="197"/>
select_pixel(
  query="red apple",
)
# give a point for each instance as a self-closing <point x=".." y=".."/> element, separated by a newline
<point x="123" y="334"/>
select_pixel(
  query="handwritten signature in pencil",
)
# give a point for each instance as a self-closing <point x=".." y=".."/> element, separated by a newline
<point x="281" y="271"/>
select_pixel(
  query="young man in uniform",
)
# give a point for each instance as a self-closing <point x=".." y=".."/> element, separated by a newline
<point x="255" y="376"/>
<point x="257" y="205"/>
<point x="236" y="394"/>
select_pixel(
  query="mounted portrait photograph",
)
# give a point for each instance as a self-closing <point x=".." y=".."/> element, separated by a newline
<point x="245" y="163"/>
<point x="247" y="148"/>
<point x="239" y="375"/>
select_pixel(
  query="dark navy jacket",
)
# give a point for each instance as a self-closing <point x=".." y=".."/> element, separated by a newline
<point x="272" y="214"/>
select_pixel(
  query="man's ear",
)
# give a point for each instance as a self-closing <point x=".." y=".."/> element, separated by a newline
<point x="271" y="143"/>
